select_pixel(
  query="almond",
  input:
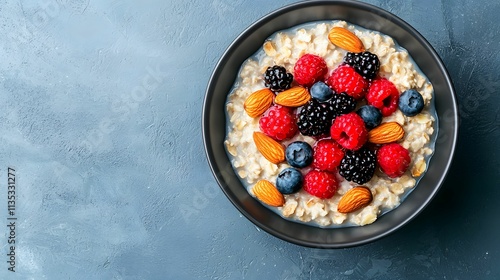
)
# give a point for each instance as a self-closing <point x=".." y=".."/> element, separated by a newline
<point x="269" y="148"/>
<point x="386" y="133"/>
<point x="266" y="192"/>
<point x="258" y="102"/>
<point x="355" y="199"/>
<point x="293" y="97"/>
<point x="345" y="39"/>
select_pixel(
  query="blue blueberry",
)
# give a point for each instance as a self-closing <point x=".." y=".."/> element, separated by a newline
<point x="370" y="115"/>
<point x="411" y="103"/>
<point x="299" y="154"/>
<point x="289" y="181"/>
<point x="321" y="91"/>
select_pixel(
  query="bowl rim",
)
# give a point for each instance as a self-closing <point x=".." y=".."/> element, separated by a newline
<point x="299" y="5"/>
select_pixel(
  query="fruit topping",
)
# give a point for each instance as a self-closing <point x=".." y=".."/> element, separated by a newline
<point x="383" y="95"/>
<point x="309" y="69"/>
<point x="342" y="103"/>
<point x="293" y="97"/>
<point x="299" y="154"/>
<point x="315" y="118"/>
<point x="370" y="115"/>
<point x="366" y="64"/>
<point x="393" y="159"/>
<point x="266" y="192"/>
<point x="349" y="131"/>
<point x="277" y="79"/>
<point x="345" y="39"/>
<point x="345" y="79"/>
<point x="320" y="184"/>
<point x="358" y="166"/>
<point x="289" y="181"/>
<point x="279" y="123"/>
<point x="258" y="102"/>
<point x="327" y="155"/>
<point x="321" y="91"/>
<point x="411" y="103"/>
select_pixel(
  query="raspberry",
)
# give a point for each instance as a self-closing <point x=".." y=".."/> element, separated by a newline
<point x="320" y="184"/>
<point x="315" y="118"/>
<point x="345" y="79"/>
<point x="349" y="131"/>
<point x="393" y="159"/>
<point x="384" y="96"/>
<point x="278" y="122"/>
<point x="309" y="69"/>
<point x="358" y="166"/>
<point x="327" y="155"/>
<point x="366" y="64"/>
<point x="277" y="79"/>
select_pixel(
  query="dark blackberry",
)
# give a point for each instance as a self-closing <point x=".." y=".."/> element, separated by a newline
<point x="358" y="166"/>
<point x="342" y="103"/>
<point x="277" y="79"/>
<point x="315" y="118"/>
<point x="366" y="64"/>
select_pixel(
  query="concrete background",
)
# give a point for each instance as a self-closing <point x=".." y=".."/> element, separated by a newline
<point x="100" y="116"/>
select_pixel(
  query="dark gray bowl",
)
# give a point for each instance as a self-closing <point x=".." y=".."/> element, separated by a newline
<point x="368" y="16"/>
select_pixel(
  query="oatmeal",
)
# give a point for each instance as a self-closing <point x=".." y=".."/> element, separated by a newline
<point x="251" y="141"/>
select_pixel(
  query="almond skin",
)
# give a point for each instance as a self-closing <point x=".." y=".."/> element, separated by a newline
<point x="346" y="40"/>
<point x="258" y="102"/>
<point x="386" y="133"/>
<point x="355" y="199"/>
<point x="266" y="192"/>
<point x="293" y="97"/>
<point x="269" y="148"/>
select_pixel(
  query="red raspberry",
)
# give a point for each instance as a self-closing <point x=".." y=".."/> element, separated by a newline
<point x="393" y="159"/>
<point x="345" y="79"/>
<point x="327" y="155"/>
<point x="320" y="184"/>
<point x="383" y="95"/>
<point x="349" y="131"/>
<point x="309" y="69"/>
<point x="279" y="123"/>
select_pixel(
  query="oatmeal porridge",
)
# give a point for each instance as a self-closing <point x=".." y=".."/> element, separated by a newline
<point x="330" y="124"/>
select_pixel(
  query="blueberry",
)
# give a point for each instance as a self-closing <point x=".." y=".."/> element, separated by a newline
<point x="370" y="115"/>
<point x="289" y="181"/>
<point x="321" y="91"/>
<point x="411" y="103"/>
<point x="299" y="154"/>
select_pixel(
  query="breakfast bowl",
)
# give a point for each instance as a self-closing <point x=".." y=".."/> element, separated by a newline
<point x="215" y="123"/>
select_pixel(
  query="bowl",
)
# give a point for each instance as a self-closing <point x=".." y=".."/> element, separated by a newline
<point x="364" y="15"/>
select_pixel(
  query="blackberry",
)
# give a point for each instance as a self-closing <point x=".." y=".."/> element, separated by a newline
<point x="342" y="103"/>
<point x="277" y="79"/>
<point x="358" y="166"/>
<point x="315" y="118"/>
<point x="366" y="64"/>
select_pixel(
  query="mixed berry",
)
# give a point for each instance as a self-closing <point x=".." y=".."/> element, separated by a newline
<point x="342" y="107"/>
<point x="277" y="79"/>
<point x="299" y="154"/>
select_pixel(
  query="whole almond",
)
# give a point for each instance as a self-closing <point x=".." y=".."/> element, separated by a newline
<point x="266" y="192"/>
<point x="293" y="97"/>
<point x="386" y="133"/>
<point x="355" y="199"/>
<point x="258" y="102"/>
<point x="269" y="148"/>
<point x="345" y="39"/>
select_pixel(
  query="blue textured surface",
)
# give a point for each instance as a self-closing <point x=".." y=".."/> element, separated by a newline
<point x="100" y="113"/>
